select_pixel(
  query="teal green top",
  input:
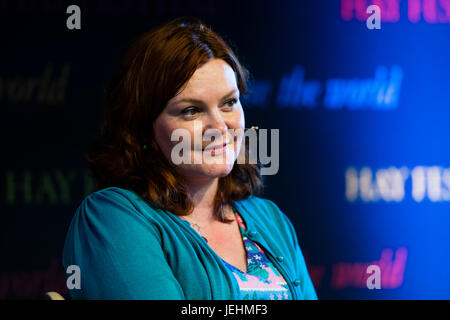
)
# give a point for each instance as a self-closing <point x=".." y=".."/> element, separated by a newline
<point x="128" y="249"/>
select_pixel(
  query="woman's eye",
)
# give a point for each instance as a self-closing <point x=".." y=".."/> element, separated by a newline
<point x="231" y="102"/>
<point x="190" y="111"/>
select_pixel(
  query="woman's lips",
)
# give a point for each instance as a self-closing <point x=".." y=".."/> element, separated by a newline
<point x="217" y="149"/>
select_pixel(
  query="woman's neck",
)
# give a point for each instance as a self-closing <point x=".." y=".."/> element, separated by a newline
<point x="203" y="196"/>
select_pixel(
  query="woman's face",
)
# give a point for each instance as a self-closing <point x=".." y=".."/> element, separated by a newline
<point x="209" y="103"/>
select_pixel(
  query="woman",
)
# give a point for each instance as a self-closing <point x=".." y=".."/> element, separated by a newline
<point x="161" y="229"/>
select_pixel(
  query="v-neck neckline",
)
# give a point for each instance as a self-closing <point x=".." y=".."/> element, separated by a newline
<point x="242" y="232"/>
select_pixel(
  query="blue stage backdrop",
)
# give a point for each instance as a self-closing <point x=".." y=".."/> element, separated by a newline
<point x="362" y="113"/>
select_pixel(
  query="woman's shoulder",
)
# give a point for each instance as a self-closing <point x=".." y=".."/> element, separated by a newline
<point x="111" y="215"/>
<point x="109" y="194"/>
<point x="260" y="202"/>
<point x="115" y="203"/>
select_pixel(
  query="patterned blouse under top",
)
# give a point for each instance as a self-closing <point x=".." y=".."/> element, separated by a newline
<point x="262" y="281"/>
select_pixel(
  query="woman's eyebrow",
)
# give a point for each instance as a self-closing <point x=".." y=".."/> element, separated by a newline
<point x="193" y="100"/>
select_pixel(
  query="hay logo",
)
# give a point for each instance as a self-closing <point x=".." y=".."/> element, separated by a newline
<point x="429" y="11"/>
<point x="389" y="184"/>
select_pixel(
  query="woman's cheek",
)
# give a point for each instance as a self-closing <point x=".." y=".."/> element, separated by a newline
<point x="241" y="117"/>
<point x="164" y="140"/>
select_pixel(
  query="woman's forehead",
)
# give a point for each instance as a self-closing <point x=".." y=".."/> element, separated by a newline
<point x="215" y="77"/>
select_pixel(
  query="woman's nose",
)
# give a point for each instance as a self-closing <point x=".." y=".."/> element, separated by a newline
<point x="216" y="122"/>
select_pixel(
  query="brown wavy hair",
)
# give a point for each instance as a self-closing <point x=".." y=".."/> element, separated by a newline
<point x="150" y="73"/>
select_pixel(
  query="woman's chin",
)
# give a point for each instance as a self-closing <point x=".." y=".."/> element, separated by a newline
<point x="217" y="170"/>
<point x="206" y="171"/>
